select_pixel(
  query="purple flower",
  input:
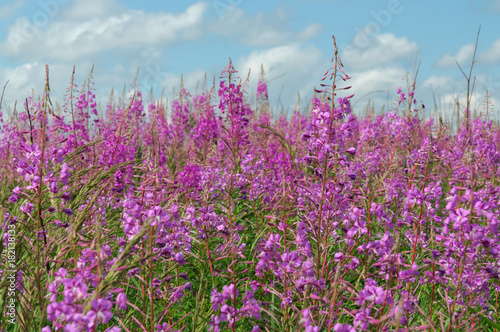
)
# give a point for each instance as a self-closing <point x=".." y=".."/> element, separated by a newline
<point x="66" y="196"/>
<point x="15" y="194"/>
<point x="157" y="213"/>
<point x="406" y="274"/>
<point x="74" y="326"/>
<point x="362" y="318"/>
<point x="227" y="313"/>
<point x="65" y="174"/>
<point x="343" y="328"/>
<point x="306" y="320"/>
<point x="53" y="291"/>
<point x="262" y="90"/>
<point x="372" y="293"/>
<point x="274" y="240"/>
<point x="214" y="323"/>
<point x="114" y="329"/>
<point x="494" y="225"/>
<point x="217" y="299"/>
<point x="99" y="312"/>
<point x="452" y="202"/>
<point x="179" y="258"/>
<point x="121" y="301"/>
<point x="75" y="289"/>
<point x="32" y="152"/>
<point x="58" y="155"/>
<point x="59" y="223"/>
<point x="250" y="306"/>
<point x="291" y="261"/>
<point x="459" y="216"/>
<point x="26" y="207"/>
<point x="58" y="309"/>
<point x="60" y="274"/>
<point x="228" y="292"/>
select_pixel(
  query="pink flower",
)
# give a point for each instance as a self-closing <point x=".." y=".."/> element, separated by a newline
<point x="100" y="312"/>
<point x="121" y="301"/>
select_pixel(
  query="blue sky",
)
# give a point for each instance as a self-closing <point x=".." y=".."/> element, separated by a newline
<point x="379" y="41"/>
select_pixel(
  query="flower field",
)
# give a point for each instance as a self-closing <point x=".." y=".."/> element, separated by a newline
<point x="207" y="213"/>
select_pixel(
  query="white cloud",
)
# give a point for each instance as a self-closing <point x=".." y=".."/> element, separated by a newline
<point x="190" y="81"/>
<point x="383" y="49"/>
<point x="261" y="29"/>
<point x="476" y="101"/>
<point x="492" y="55"/>
<point x="485" y="6"/>
<point x="495" y="6"/>
<point x="303" y="67"/>
<point x="309" y="32"/>
<point x="7" y="10"/>
<point x="463" y="55"/>
<point x="447" y="82"/>
<point x="446" y="91"/>
<point x="375" y="85"/>
<point x="289" y="69"/>
<point x="487" y="81"/>
<point x="85" y="9"/>
<point x="29" y="80"/>
<point x="65" y="40"/>
<point x="19" y="77"/>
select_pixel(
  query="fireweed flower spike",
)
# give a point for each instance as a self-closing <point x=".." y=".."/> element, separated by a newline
<point x="209" y="212"/>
